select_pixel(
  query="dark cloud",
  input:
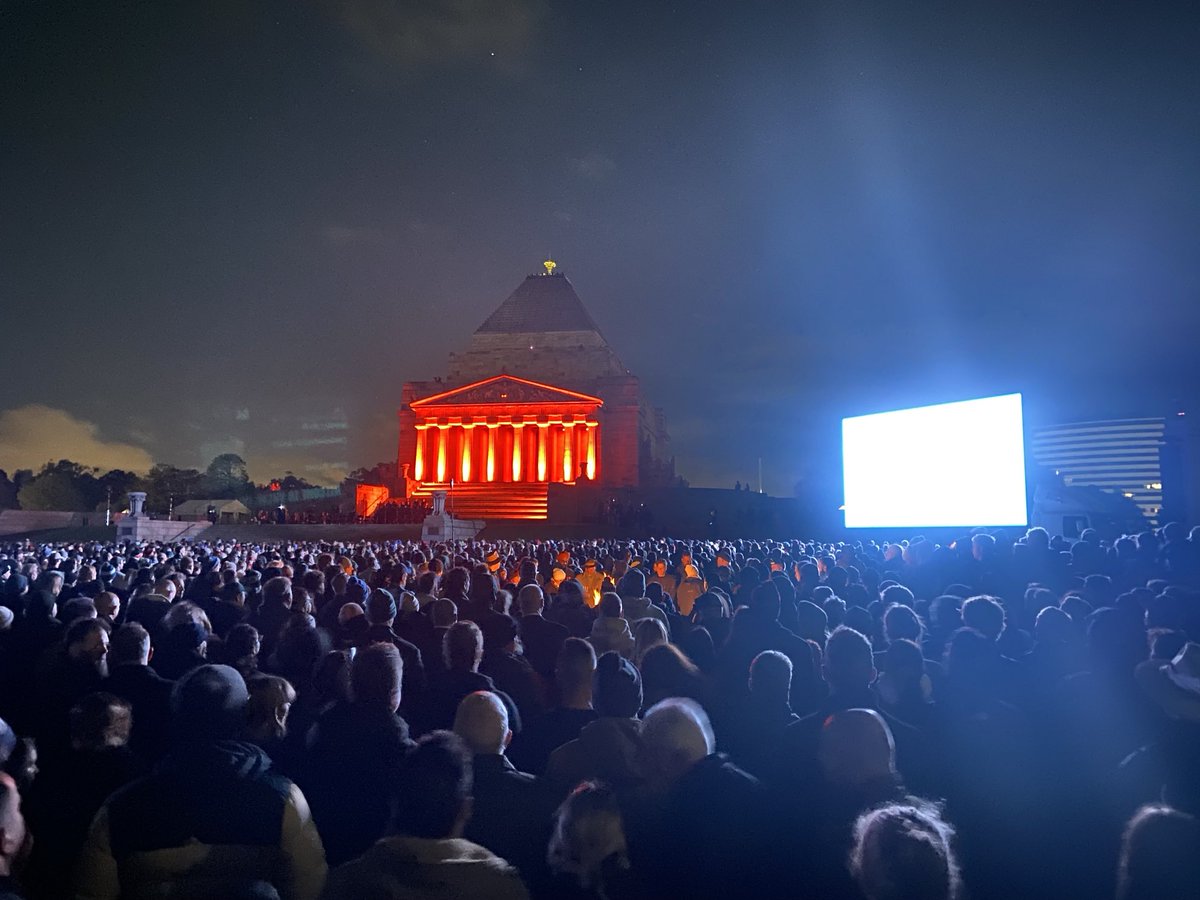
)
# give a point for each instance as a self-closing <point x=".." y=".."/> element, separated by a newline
<point x="442" y="33"/>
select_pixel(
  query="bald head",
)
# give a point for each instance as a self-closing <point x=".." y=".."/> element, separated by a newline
<point x="530" y="600"/>
<point x="677" y="734"/>
<point x="108" y="605"/>
<point x="856" y="747"/>
<point x="482" y="723"/>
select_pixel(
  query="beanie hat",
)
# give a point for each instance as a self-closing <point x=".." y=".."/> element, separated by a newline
<point x="209" y="704"/>
<point x="409" y="602"/>
<point x="616" y="687"/>
<point x="492" y="560"/>
<point x="381" y="606"/>
<point x="357" y="590"/>
<point x="632" y="584"/>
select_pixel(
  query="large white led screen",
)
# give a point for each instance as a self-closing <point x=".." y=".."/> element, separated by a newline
<point x="954" y="464"/>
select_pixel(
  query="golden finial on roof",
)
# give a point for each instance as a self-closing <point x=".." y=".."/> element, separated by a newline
<point x="550" y="265"/>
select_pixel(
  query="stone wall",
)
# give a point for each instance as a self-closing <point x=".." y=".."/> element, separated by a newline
<point x="564" y="358"/>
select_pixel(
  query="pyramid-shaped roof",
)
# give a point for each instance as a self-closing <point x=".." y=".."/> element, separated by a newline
<point x="540" y="303"/>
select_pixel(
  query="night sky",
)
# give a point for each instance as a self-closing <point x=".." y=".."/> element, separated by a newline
<point x="241" y="226"/>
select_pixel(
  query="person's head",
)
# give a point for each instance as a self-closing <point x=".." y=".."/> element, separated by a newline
<point x="849" y="661"/>
<point x="51" y="580"/>
<point x="100" y="721"/>
<point x="676" y="734"/>
<point x="130" y="645"/>
<point x="87" y="642"/>
<point x="660" y="568"/>
<point x="903" y="667"/>
<point x="646" y="634"/>
<point x="457" y="582"/>
<point x="443" y="613"/>
<point x="1116" y="640"/>
<point x="985" y="615"/>
<point x="1053" y="626"/>
<point x="1158" y="855"/>
<point x="616" y="687"/>
<point x="376" y="676"/>
<point x="242" y="642"/>
<point x="271" y="699"/>
<point x="462" y="647"/>
<point x="1037" y="538"/>
<point x="186" y="637"/>
<point x="165" y="587"/>
<point x="573" y="671"/>
<point x="589" y="835"/>
<point x="903" y="850"/>
<point x="435" y="782"/>
<point x="482" y="722"/>
<point x="13" y="835"/>
<point x="632" y="584"/>
<point x="667" y="672"/>
<point x="381" y="607"/>
<point x="900" y="622"/>
<point x="771" y="678"/>
<point x="77" y="608"/>
<point x="209" y="704"/>
<point x="983" y="547"/>
<point x="856" y="748"/>
<point x="610" y="606"/>
<point x="277" y="591"/>
<point x="764" y="601"/>
<point x="108" y="605"/>
<point x="530" y="600"/>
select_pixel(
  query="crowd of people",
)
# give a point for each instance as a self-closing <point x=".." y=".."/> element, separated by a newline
<point x="1006" y="714"/>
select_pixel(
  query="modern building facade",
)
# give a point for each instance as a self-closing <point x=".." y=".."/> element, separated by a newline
<point x="1123" y="456"/>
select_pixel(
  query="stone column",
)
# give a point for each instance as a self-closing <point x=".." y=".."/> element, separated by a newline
<point x="419" y="460"/>
<point x="593" y="454"/>
<point x="542" y="471"/>
<point x="440" y="458"/>
<point x="491" y="451"/>
<point x="568" y="463"/>
<point x="518" y="437"/>
<point x="468" y="435"/>
<point x="136" y="500"/>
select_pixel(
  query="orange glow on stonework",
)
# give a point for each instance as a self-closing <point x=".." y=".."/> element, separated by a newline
<point x="419" y="464"/>
<point x="568" y="461"/>
<point x="491" y="458"/>
<point x="466" y="455"/>
<point x="441" y="456"/>
<point x="591" y="454"/>
<point x="541" y="463"/>
<point x="516" y="456"/>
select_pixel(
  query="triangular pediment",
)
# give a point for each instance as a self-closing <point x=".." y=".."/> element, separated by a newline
<point x="504" y="389"/>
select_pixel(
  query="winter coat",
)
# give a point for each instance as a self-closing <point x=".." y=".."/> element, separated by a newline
<point x="608" y="749"/>
<point x="214" y="820"/>
<point x="408" y="868"/>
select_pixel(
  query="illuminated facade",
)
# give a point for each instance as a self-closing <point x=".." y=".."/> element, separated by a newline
<point x="538" y="397"/>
